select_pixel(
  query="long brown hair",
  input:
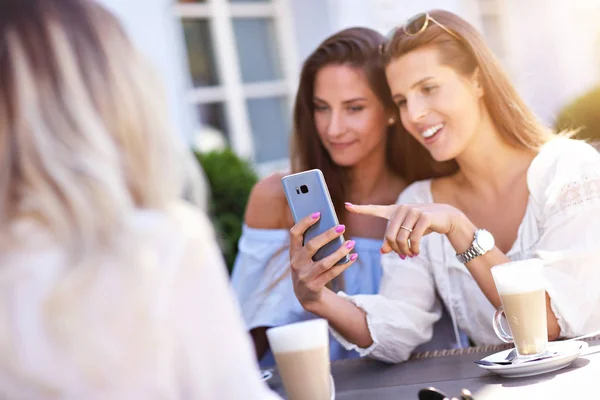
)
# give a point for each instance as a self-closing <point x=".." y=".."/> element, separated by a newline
<point x="514" y="120"/>
<point x="356" y="47"/>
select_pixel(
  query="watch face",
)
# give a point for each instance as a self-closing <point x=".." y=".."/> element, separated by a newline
<point x="485" y="240"/>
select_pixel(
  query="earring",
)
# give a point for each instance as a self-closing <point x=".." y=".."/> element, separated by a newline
<point x="391" y="121"/>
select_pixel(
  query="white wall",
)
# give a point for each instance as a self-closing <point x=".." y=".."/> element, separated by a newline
<point x="391" y="13"/>
<point x="156" y="30"/>
<point x="351" y="13"/>
<point x="553" y="48"/>
<point x="312" y="24"/>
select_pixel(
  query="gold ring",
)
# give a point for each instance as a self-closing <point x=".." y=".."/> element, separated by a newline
<point x="406" y="229"/>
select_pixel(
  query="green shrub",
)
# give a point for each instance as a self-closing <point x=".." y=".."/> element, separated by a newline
<point x="231" y="180"/>
<point x="583" y="113"/>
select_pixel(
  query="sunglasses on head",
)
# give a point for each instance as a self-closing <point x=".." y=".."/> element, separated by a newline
<point x="413" y="27"/>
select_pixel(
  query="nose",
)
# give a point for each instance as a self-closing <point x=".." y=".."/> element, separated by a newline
<point x="336" y="126"/>
<point x="416" y="110"/>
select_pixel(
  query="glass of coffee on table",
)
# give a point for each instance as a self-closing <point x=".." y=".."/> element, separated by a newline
<point x="521" y="287"/>
<point x="301" y="351"/>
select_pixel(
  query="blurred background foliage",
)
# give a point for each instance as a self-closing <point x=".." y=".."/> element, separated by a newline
<point x="583" y="113"/>
<point x="231" y="179"/>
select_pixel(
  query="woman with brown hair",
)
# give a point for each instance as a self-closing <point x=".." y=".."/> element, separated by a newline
<point x="520" y="191"/>
<point x="346" y="125"/>
<point x="108" y="280"/>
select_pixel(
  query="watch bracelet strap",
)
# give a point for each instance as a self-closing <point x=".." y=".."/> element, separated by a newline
<point x="468" y="255"/>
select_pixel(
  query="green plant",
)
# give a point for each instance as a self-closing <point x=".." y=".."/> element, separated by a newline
<point x="231" y="179"/>
<point x="584" y="114"/>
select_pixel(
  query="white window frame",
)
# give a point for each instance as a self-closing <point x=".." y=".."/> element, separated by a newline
<point x="231" y="91"/>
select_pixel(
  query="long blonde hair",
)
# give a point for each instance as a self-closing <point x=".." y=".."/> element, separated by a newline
<point x="513" y="118"/>
<point x="84" y="142"/>
<point x="84" y="136"/>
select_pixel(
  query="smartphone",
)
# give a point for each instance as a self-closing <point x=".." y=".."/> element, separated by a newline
<point x="307" y="193"/>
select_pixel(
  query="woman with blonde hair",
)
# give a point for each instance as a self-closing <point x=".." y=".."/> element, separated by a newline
<point x="519" y="191"/>
<point x="111" y="287"/>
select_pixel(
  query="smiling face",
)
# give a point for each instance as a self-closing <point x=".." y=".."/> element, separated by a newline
<point x="350" y="119"/>
<point x="441" y="108"/>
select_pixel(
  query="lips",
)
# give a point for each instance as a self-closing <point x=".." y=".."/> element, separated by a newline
<point x="341" y="146"/>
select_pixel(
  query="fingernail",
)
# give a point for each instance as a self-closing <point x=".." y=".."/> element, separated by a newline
<point x="402" y="256"/>
<point x="348" y="204"/>
<point x="315" y="215"/>
<point x="353" y="256"/>
<point x="340" y="228"/>
<point x="381" y="251"/>
<point x="350" y="244"/>
<point x="411" y="256"/>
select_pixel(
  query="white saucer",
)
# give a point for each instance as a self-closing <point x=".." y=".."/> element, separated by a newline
<point x="568" y="352"/>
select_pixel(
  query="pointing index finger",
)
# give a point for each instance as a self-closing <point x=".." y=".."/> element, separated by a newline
<point x="375" y="210"/>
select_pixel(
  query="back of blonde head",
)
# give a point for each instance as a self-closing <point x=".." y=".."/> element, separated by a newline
<point x="83" y="132"/>
<point x="84" y="143"/>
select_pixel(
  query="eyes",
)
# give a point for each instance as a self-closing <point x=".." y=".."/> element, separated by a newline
<point x="319" y="108"/>
<point x="425" y="90"/>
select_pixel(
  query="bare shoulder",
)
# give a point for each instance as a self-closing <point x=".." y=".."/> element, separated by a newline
<point x="267" y="207"/>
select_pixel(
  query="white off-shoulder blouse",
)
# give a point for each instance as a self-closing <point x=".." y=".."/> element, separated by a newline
<point x="561" y="226"/>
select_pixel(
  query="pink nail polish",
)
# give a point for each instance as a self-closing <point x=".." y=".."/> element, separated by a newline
<point x="350" y="244"/>
<point x="348" y="204"/>
<point x="340" y="228"/>
<point x="353" y="256"/>
<point x="411" y="256"/>
<point x="381" y="251"/>
<point x="315" y="215"/>
<point x="402" y="256"/>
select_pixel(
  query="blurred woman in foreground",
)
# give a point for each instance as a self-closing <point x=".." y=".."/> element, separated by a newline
<point x="107" y="279"/>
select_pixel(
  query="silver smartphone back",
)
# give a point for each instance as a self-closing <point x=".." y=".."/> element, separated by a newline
<point x="307" y="193"/>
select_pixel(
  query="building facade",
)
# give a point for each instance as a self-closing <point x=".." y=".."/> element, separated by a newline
<point x="230" y="67"/>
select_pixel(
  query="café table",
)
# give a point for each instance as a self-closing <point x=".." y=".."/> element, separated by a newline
<point x="452" y="370"/>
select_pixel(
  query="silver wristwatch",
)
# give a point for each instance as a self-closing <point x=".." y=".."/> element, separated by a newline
<point x="482" y="243"/>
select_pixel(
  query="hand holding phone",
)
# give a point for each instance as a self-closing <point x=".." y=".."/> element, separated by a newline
<point x="307" y="193"/>
<point x="318" y="251"/>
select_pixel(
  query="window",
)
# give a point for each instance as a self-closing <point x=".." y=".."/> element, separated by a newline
<point x="243" y="65"/>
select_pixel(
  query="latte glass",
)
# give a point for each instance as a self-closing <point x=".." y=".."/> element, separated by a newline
<point x="301" y="352"/>
<point x="522" y="292"/>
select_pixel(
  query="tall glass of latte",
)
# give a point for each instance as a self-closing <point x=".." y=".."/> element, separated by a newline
<point x="522" y="291"/>
<point x="301" y="352"/>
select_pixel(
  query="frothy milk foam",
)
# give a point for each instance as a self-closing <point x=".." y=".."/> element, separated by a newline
<point x="299" y="336"/>
<point x="519" y="277"/>
<point x="301" y="352"/>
